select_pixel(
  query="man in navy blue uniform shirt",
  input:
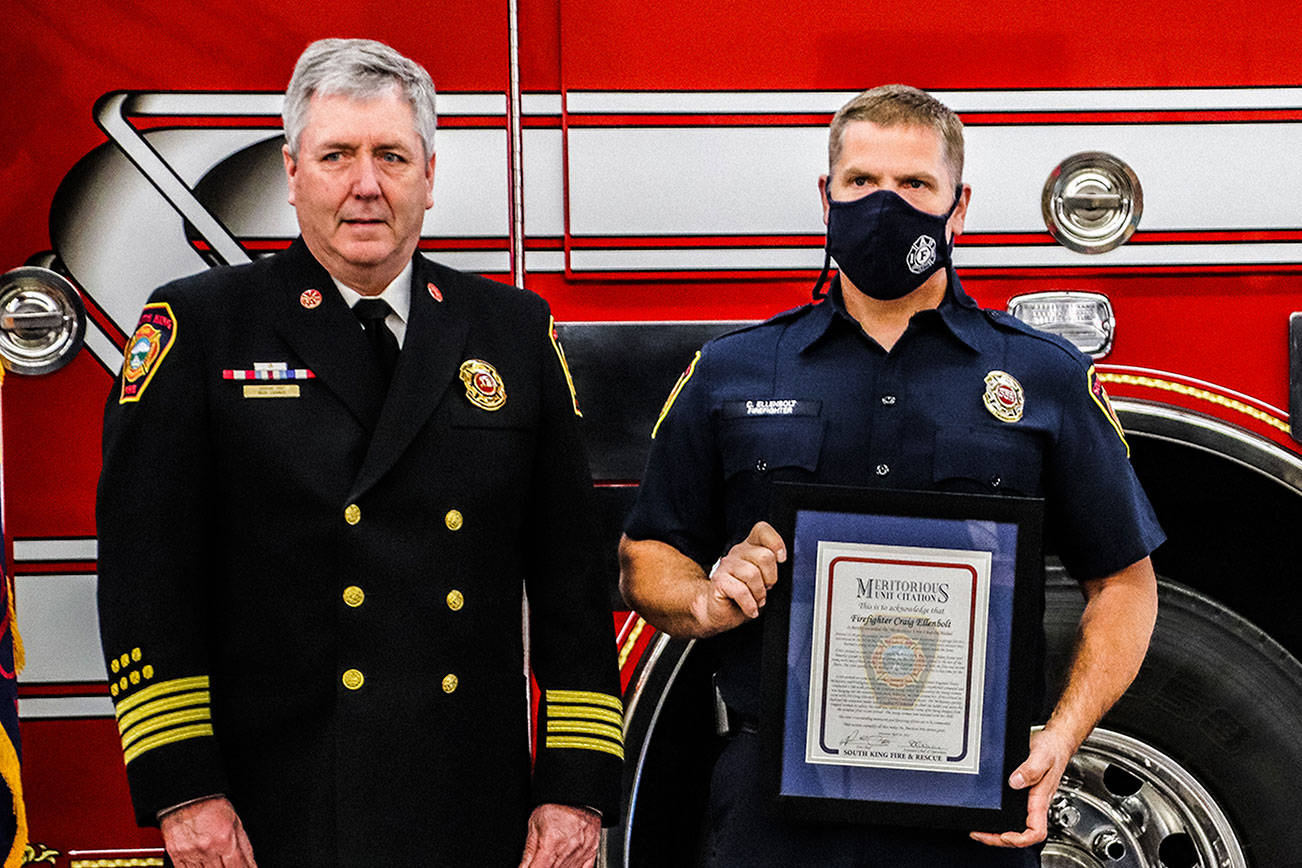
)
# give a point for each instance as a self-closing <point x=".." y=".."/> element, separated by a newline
<point x="897" y="380"/>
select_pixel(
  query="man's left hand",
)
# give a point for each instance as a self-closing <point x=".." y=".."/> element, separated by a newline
<point x="561" y="836"/>
<point x="1050" y="753"/>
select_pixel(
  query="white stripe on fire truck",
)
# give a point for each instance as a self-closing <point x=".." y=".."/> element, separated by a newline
<point x="827" y="102"/>
<point x="992" y="256"/>
<point x="83" y="549"/>
<point x="183" y="104"/>
<point x="51" y="707"/>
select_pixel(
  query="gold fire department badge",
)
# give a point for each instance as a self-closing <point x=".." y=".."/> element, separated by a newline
<point x="1004" y="397"/>
<point x="484" y="386"/>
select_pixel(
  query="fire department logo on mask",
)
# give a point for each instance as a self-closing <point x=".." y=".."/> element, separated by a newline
<point x="1004" y="397"/>
<point x="922" y="254"/>
<point x="484" y="387"/>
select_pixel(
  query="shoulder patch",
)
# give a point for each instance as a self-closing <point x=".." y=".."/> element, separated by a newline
<point x="146" y="349"/>
<point x="560" y="354"/>
<point x="673" y="394"/>
<point x="1100" y="396"/>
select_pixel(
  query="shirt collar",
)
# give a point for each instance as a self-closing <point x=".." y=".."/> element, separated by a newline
<point x="957" y="311"/>
<point x="397" y="294"/>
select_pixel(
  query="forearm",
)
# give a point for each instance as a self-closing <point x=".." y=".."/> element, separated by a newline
<point x="666" y="587"/>
<point x="1112" y="640"/>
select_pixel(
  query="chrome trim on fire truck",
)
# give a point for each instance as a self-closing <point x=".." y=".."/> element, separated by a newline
<point x="1295" y="375"/>
<point x="647" y="671"/>
<point x="1092" y="202"/>
<point x="516" y="155"/>
<point x="1188" y="428"/>
<point x="42" y="321"/>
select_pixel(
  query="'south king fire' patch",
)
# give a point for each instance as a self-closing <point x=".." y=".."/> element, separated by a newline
<point x="146" y="349"/>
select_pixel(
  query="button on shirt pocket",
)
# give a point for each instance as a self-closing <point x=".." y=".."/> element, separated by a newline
<point x="987" y="461"/>
<point x="770" y="443"/>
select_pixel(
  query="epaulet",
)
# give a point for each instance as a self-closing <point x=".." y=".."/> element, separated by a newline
<point x="1006" y="320"/>
<point x="777" y="319"/>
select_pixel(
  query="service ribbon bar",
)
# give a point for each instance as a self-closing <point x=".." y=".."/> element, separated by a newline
<point x="269" y="371"/>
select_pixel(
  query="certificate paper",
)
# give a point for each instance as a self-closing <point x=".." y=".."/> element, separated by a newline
<point x="897" y="665"/>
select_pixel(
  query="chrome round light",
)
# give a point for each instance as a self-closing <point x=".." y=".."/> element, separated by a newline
<point x="42" y="321"/>
<point x="1092" y="202"/>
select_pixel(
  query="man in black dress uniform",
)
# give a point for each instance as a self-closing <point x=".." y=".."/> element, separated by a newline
<point x="317" y="527"/>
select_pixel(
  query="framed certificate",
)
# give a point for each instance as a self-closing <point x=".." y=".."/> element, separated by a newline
<point x="897" y="655"/>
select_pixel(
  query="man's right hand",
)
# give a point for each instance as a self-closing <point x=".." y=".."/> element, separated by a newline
<point x="741" y="579"/>
<point x="206" y="834"/>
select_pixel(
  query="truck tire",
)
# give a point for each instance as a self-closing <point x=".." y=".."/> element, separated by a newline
<point x="1199" y="763"/>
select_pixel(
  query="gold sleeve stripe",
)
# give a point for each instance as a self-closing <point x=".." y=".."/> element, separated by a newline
<point x="584" y="712"/>
<point x="673" y="395"/>
<point x="162" y="688"/>
<point x="560" y="354"/>
<point x="167" y="737"/>
<point x="171" y="703"/>
<point x="587" y="697"/>
<point x="604" y="730"/>
<point x="570" y="741"/>
<point x="154" y="724"/>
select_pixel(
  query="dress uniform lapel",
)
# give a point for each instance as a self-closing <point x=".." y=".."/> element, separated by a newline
<point x="315" y="320"/>
<point x="427" y="367"/>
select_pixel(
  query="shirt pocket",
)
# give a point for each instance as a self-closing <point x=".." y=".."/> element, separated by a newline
<point x="988" y="461"/>
<point x="771" y="443"/>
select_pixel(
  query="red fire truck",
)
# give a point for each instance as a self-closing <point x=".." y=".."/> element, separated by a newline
<point x="650" y="169"/>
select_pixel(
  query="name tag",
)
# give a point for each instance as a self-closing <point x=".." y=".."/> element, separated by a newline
<point x="277" y="390"/>
<point x="771" y="407"/>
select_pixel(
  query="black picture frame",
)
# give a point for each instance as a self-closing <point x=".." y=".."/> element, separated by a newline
<point x="1010" y="529"/>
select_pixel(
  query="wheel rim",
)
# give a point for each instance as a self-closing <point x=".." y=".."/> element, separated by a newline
<point x="1124" y="804"/>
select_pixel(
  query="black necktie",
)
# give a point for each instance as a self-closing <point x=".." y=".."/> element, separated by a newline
<point x="372" y="311"/>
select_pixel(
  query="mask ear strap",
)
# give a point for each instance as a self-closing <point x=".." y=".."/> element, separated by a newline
<point x="819" y="292"/>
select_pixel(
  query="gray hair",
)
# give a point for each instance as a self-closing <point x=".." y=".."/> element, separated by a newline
<point x="358" y="69"/>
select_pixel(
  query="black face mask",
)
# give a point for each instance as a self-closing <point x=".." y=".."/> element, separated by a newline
<point x="885" y="246"/>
